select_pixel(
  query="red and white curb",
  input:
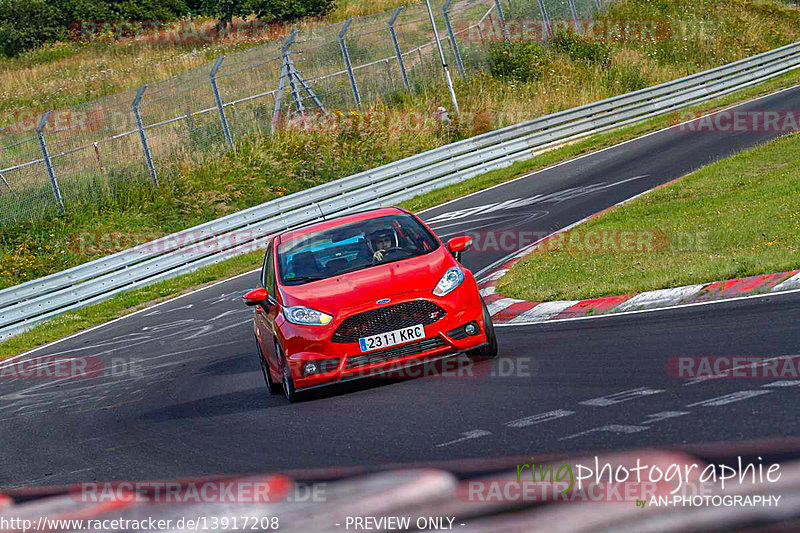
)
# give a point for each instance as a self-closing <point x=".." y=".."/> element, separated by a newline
<point x="512" y="311"/>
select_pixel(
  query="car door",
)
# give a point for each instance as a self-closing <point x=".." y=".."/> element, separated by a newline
<point x="267" y="313"/>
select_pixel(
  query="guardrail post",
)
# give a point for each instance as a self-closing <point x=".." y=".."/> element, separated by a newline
<point x="397" y="50"/>
<point x="578" y="26"/>
<point x="347" y="63"/>
<point x="453" y="42"/>
<point x="47" y="162"/>
<point x="502" y="18"/>
<point x="545" y="20"/>
<point x="218" y="100"/>
<point x="142" y="135"/>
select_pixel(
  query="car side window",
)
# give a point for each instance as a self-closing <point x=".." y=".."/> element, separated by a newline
<point x="267" y="261"/>
<point x="269" y="277"/>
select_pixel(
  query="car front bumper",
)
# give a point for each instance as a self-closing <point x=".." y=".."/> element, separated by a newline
<point x="443" y="338"/>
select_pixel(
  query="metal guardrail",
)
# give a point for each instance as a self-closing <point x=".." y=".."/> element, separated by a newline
<point x="25" y="305"/>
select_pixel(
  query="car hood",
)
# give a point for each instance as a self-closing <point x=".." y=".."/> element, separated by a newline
<point x="417" y="274"/>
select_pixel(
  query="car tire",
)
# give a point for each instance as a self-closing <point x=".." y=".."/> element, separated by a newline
<point x="489" y="350"/>
<point x="287" y="383"/>
<point x="274" y="388"/>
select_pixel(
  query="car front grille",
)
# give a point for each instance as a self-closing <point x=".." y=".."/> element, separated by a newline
<point x="396" y="352"/>
<point x="385" y="319"/>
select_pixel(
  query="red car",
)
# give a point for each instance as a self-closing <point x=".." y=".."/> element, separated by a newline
<point x="360" y="295"/>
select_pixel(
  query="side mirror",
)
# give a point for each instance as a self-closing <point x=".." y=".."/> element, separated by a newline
<point x="457" y="245"/>
<point x="256" y="297"/>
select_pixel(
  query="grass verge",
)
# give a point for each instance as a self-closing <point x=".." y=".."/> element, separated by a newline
<point x="734" y="218"/>
<point x="130" y="302"/>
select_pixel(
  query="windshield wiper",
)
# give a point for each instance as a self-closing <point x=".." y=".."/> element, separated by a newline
<point x="304" y="279"/>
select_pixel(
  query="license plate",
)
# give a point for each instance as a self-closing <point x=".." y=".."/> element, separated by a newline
<point x="392" y="338"/>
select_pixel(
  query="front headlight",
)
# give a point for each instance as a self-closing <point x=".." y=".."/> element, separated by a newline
<point x="305" y="316"/>
<point x="449" y="282"/>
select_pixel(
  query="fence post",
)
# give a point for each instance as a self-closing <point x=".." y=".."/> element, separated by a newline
<point x="347" y="63"/>
<point x="97" y="155"/>
<point x="47" y="162"/>
<point x="548" y="30"/>
<point x="502" y="18"/>
<point x="218" y="100"/>
<point x="142" y="135"/>
<point x="578" y="26"/>
<point x="441" y="56"/>
<point x="285" y="73"/>
<point x="397" y="50"/>
<point x="453" y="42"/>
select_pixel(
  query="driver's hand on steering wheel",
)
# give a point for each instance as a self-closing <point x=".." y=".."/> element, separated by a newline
<point x="378" y="255"/>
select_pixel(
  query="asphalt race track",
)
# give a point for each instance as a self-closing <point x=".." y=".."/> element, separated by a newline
<point x="182" y="394"/>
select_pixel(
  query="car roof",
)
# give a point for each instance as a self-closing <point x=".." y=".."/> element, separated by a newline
<point x="339" y="221"/>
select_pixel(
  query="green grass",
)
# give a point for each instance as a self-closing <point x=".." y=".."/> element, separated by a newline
<point x="127" y="303"/>
<point x="737" y="217"/>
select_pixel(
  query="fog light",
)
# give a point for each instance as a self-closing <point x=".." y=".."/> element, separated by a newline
<point x="310" y="368"/>
<point x="471" y="329"/>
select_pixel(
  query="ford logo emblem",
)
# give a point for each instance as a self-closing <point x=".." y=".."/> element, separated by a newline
<point x="383" y="301"/>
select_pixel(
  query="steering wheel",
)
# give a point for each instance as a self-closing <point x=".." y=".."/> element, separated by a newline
<point x="389" y="252"/>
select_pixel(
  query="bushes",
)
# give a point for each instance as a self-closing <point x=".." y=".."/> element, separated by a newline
<point x="521" y="61"/>
<point x="527" y="61"/>
<point x="25" y="24"/>
<point x="286" y="10"/>
<point x="580" y="49"/>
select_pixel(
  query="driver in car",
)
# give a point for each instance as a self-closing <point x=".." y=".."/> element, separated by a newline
<point x="381" y="240"/>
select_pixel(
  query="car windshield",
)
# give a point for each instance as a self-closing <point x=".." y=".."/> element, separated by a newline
<point x="353" y="247"/>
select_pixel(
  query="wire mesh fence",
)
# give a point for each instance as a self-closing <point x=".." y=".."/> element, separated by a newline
<point x="119" y="144"/>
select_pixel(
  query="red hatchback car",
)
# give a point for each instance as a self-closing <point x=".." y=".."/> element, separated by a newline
<point x="361" y="295"/>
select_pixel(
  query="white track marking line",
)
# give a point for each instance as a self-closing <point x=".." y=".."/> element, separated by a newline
<point x="729" y="398"/>
<point x="468" y="435"/>
<point x="664" y="415"/>
<point x="620" y="397"/>
<point x="784" y="383"/>
<point x="611" y="428"/>
<point x="539" y="419"/>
